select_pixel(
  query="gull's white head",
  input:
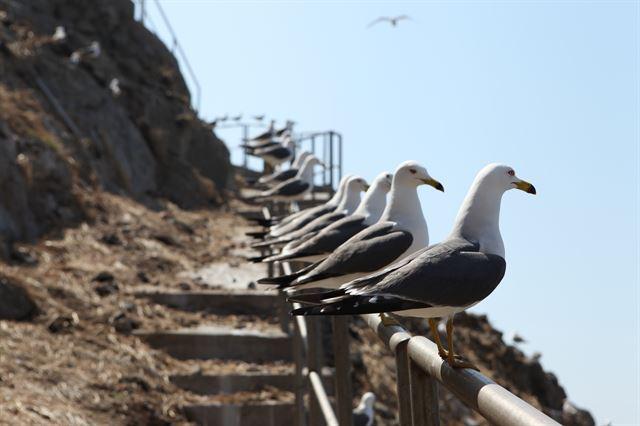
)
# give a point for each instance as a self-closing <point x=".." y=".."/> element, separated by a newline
<point x="357" y="184"/>
<point x="289" y="142"/>
<point x="367" y="401"/>
<point x="411" y="173"/>
<point x="382" y="182"/>
<point x="502" y="178"/>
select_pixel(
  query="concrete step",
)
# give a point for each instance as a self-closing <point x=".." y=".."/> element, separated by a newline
<point x="215" y="342"/>
<point x="212" y="384"/>
<point x="263" y="414"/>
<point x="219" y="302"/>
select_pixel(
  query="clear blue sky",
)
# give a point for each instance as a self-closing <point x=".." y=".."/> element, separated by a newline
<point x="551" y="88"/>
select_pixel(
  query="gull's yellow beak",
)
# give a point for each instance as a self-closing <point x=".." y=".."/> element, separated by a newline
<point x="432" y="182"/>
<point x="366" y="187"/>
<point x="526" y="187"/>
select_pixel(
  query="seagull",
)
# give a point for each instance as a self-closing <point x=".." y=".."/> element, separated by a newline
<point x="59" y="34"/>
<point x="401" y="230"/>
<point x="258" y="117"/>
<point x="516" y="338"/>
<point x="268" y="134"/>
<point x="114" y="86"/>
<point x="222" y="119"/>
<point x="288" y="127"/>
<point x="328" y="239"/>
<point x="237" y="117"/>
<point x="296" y="188"/>
<point x="393" y="20"/>
<point x="299" y="219"/>
<point x="363" y="413"/>
<point x="276" y="154"/>
<point x="281" y="176"/>
<point x="93" y="50"/>
<point x="445" y="278"/>
<point x="347" y="206"/>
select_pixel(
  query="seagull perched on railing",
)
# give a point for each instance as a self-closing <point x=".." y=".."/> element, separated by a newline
<point x="237" y="117"/>
<point x="258" y="117"/>
<point x="401" y="231"/>
<point x="393" y="20"/>
<point x="328" y="239"/>
<point x="347" y="206"/>
<point x="440" y="280"/>
<point x="296" y="188"/>
<point x="299" y="219"/>
<point x="281" y="176"/>
<point x="276" y="154"/>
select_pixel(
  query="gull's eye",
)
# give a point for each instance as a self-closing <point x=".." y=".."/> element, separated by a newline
<point x="413" y="171"/>
<point x="511" y="173"/>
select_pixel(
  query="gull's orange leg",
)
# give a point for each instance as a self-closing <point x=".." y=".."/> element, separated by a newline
<point x="433" y="324"/>
<point x="455" y="361"/>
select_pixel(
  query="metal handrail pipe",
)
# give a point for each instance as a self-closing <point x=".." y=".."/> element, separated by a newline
<point x="323" y="399"/>
<point x="492" y="401"/>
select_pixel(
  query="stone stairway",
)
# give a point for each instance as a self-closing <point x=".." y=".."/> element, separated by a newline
<point x="240" y="395"/>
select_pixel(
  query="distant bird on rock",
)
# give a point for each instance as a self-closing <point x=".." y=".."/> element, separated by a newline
<point x="59" y="35"/>
<point x="517" y="339"/>
<point x="393" y="20"/>
<point x="93" y="50"/>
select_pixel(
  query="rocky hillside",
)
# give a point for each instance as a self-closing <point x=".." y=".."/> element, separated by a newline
<point x="114" y="115"/>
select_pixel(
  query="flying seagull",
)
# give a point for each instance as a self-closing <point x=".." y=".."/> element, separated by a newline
<point x="393" y="20"/>
<point x="401" y="230"/>
<point x="328" y="239"/>
<point x="347" y="206"/>
<point x="296" y="188"/>
<point x="443" y="279"/>
<point x="363" y="413"/>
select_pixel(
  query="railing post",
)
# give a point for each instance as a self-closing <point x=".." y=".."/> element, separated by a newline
<point x="342" y="376"/>
<point x="245" y="139"/>
<point x="424" y="397"/>
<point x="299" y="379"/>
<point x="314" y="363"/>
<point x="403" y="383"/>
<point x="331" y="165"/>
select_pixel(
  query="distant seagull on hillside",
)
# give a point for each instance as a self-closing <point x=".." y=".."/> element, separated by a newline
<point x="393" y="20"/>
<point x="59" y="35"/>
<point x="114" y="86"/>
<point x="258" y="117"/>
<point x="237" y="117"/>
<point x="516" y="338"/>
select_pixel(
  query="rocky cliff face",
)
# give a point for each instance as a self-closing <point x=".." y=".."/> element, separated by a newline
<point x="119" y="119"/>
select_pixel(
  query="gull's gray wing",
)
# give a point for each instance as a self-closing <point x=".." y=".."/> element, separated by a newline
<point x="286" y="175"/>
<point x="289" y="188"/>
<point x="329" y="238"/>
<point x="316" y="225"/>
<point x="367" y="251"/>
<point x="453" y="273"/>
<point x="275" y="151"/>
<point x="360" y="419"/>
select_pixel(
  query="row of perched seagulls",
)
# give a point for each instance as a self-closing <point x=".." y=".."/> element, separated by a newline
<point x="371" y="254"/>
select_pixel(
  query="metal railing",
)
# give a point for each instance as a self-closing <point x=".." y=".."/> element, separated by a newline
<point x="328" y="147"/>
<point x="419" y="373"/>
<point x="175" y="46"/>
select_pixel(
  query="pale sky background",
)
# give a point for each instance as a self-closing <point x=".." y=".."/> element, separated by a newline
<point x="548" y="87"/>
